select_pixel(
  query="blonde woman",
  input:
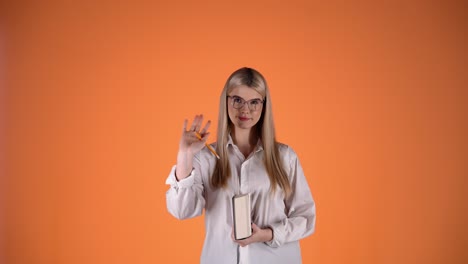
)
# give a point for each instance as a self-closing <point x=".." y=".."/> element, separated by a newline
<point x="250" y="161"/>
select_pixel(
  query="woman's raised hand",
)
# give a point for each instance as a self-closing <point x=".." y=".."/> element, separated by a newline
<point x="189" y="142"/>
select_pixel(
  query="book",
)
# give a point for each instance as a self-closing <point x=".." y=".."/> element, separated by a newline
<point x="241" y="212"/>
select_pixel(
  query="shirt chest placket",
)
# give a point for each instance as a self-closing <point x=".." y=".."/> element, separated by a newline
<point x="243" y="178"/>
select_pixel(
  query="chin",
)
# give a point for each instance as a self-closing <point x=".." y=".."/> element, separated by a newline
<point x="244" y="126"/>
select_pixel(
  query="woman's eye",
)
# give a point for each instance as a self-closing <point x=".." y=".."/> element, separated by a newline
<point x="237" y="100"/>
<point x="255" y="102"/>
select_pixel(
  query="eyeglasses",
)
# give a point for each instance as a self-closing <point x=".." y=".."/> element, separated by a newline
<point x="254" y="104"/>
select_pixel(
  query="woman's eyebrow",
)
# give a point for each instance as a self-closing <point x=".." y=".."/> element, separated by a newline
<point x="244" y="99"/>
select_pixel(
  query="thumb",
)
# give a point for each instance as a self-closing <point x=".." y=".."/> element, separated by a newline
<point x="255" y="228"/>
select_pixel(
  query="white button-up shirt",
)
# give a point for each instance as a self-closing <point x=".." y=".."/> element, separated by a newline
<point x="291" y="219"/>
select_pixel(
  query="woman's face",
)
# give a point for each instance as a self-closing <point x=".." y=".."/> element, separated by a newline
<point x="244" y="107"/>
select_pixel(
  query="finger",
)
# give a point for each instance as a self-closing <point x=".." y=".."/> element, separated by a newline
<point x="240" y="242"/>
<point x="192" y="127"/>
<point x="244" y="242"/>
<point x="185" y="126"/>
<point x="255" y="228"/>
<point x="199" y="123"/>
<point x="203" y="131"/>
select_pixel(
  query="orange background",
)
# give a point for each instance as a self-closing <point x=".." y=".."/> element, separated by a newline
<point x="372" y="96"/>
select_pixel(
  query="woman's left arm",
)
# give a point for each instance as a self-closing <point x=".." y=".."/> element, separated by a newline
<point x="300" y="208"/>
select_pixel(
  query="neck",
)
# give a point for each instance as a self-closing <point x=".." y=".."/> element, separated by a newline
<point x="245" y="139"/>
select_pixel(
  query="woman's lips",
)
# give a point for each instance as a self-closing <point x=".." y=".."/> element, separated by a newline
<point x="244" y="118"/>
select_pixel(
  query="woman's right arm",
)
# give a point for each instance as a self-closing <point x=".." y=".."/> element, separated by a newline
<point x="185" y="198"/>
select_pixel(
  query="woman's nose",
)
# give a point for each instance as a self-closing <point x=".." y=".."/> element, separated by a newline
<point x="245" y="108"/>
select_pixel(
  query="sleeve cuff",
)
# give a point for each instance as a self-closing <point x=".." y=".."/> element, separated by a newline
<point x="184" y="183"/>
<point x="278" y="235"/>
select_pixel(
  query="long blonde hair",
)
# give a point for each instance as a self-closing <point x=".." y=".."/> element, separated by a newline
<point x="265" y="130"/>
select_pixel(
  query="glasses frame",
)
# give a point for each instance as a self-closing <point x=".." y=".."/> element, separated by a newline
<point x="246" y="102"/>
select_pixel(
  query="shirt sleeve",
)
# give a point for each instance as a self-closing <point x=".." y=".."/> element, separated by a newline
<point x="300" y="209"/>
<point x="184" y="199"/>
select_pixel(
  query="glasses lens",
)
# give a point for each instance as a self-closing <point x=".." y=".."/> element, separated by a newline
<point x="237" y="102"/>
<point x="253" y="104"/>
